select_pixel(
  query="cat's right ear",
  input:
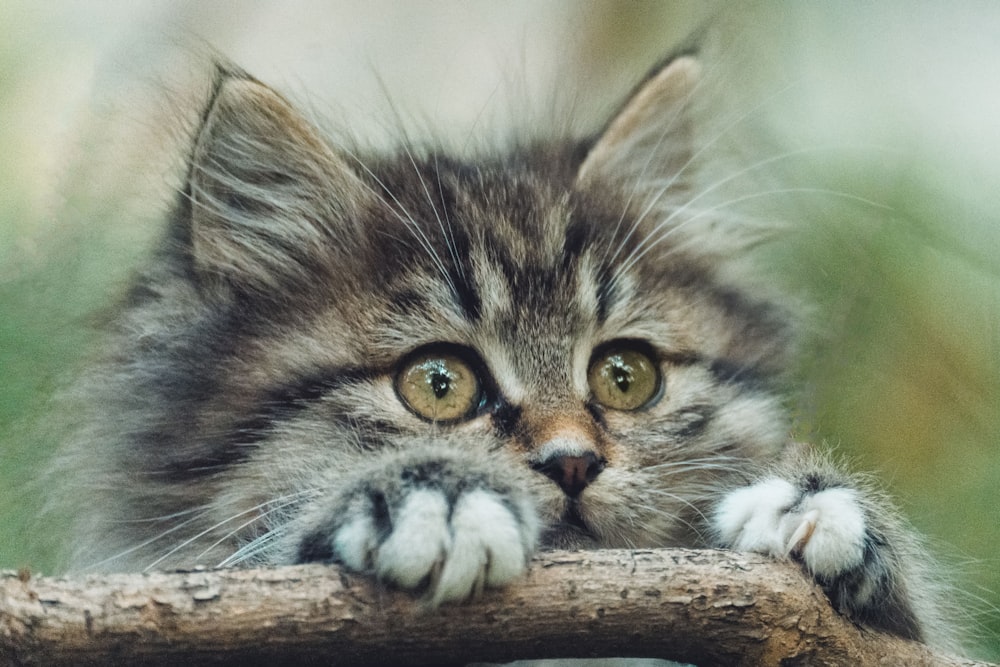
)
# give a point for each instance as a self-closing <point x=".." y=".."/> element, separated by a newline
<point x="267" y="195"/>
<point x="649" y="139"/>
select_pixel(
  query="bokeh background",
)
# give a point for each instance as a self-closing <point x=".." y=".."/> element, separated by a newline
<point x="872" y="131"/>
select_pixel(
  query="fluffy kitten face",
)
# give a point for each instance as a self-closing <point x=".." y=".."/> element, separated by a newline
<point x="529" y="305"/>
<point x="262" y="377"/>
<point x="426" y="368"/>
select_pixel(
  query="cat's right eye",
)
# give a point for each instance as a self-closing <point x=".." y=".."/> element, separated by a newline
<point x="439" y="386"/>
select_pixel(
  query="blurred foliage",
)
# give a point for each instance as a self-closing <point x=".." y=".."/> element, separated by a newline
<point x="901" y="371"/>
<point x="48" y="318"/>
<point x="901" y="375"/>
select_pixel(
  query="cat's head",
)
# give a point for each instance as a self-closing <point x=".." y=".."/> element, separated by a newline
<point x="558" y="306"/>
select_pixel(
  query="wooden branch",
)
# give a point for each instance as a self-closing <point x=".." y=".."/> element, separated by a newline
<point x="707" y="607"/>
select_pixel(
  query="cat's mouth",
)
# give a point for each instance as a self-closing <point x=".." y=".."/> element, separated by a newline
<point x="572" y="517"/>
<point x="570" y="532"/>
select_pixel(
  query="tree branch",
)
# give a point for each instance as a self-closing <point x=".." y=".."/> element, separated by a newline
<point x="707" y="607"/>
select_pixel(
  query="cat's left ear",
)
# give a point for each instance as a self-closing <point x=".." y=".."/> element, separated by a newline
<point x="650" y="137"/>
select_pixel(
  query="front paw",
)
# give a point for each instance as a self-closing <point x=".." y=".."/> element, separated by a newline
<point x="826" y="530"/>
<point x="846" y="535"/>
<point x="448" y="539"/>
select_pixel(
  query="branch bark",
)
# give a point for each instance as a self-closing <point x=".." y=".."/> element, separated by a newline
<point x="706" y="607"/>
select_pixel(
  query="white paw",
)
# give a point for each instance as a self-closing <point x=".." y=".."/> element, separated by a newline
<point x="480" y="544"/>
<point x="826" y="529"/>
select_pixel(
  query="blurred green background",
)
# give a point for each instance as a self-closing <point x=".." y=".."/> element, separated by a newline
<point x="890" y="115"/>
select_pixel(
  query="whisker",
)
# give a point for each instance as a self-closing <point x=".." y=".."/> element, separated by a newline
<point x="640" y="177"/>
<point x="165" y="517"/>
<point x="757" y="195"/>
<point x="450" y="234"/>
<point x="673" y="517"/>
<point x="253" y="547"/>
<point x="445" y="230"/>
<point x="198" y="512"/>
<point x="712" y="459"/>
<point x="654" y="237"/>
<point x="287" y="500"/>
<point x="681" y="467"/>
<point x="739" y="119"/>
<point x="408" y="221"/>
<point x="258" y="517"/>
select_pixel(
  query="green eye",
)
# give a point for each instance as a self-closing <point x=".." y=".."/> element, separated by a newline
<point x="439" y="387"/>
<point x="623" y="378"/>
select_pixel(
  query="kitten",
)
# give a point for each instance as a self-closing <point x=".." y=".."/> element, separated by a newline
<point x="428" y="368"/>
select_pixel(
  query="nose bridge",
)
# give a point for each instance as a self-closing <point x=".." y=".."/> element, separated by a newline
<point x="564" y="435"/>
<point x="568" y="449"/>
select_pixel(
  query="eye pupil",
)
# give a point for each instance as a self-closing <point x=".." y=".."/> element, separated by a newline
<point x="622" y="379"/>
<point x="624" y="376"/>
<point x="440" y="384"/>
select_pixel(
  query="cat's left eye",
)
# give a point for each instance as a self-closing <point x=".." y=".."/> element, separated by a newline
<point x="439" y="386"/>
<point x="624" y="377"/>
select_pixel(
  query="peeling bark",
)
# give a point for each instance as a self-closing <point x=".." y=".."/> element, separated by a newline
<point x="705" y="607"/>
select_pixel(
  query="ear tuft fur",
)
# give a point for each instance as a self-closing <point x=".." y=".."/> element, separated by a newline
<point x="650" y="136"/>
<point x="267" y="192"/>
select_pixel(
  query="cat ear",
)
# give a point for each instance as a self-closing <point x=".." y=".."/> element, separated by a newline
<point x="267" y="194"/>
<point x="649" y="140"/>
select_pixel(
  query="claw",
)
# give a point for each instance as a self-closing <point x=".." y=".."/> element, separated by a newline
<point x="799" y="539"/>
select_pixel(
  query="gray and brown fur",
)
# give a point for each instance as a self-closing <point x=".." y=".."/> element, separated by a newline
<point x="245" y="408"/>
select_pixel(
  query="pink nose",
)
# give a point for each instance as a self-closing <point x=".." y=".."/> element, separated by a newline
<point x="572" y="473"/>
